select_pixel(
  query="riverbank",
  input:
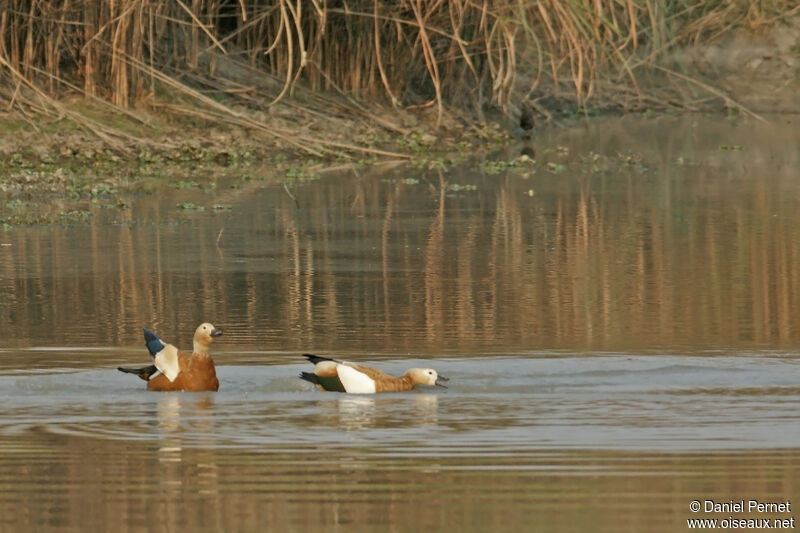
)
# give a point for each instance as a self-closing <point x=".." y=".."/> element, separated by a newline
<point x="57" y="153"/>
<point x="53" y="170"/>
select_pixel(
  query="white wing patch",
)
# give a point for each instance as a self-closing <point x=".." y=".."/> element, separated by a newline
<point x="167" y="362"/>
<point x="354" y="381"/>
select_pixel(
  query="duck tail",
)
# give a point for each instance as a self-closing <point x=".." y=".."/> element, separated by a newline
<point x="308" y="376"/>
<point x="316" y="358"/>
<point x="144" y="373"/>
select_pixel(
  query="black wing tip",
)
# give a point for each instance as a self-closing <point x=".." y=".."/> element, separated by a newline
<point x="311" y="378"/>
<point x="144" y="373"/>
<point x="316" y="358"/>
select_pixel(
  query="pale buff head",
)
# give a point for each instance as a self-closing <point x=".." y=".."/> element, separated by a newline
<point x="204" y="336"/>
<point x="426" y="376"/>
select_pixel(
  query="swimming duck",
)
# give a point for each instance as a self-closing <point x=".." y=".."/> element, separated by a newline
<point x="342" y="376"/>
<point x="174" y="369"/>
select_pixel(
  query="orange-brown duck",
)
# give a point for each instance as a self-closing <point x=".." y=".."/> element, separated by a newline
<point x="342" y="376"/>
<point x="174" y="369"/>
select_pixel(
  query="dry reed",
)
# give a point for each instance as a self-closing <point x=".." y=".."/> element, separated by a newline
<point x="219" y="55"/>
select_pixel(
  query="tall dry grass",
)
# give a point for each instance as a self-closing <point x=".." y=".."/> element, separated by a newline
<point x="414" y="53"/>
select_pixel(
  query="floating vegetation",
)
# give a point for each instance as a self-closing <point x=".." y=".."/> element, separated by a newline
<point x="75" y="215"/>
<point x="458" y="187"/>
<point x="189" y="206"/>
<point x="417" y="141"/>
<point x="497" y="166"/>
<point x="298" y="174"/>
<point x="185" y="185"/>
<point x="119" y="205"/>
<point x="37" y="217"/>
<point x="102" y="190"/>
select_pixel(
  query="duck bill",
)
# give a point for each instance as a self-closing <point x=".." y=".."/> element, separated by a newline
<point x="215" y="332"/>
<point x="440" y="380"/>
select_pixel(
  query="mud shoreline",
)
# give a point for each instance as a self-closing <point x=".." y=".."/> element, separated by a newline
<point x="50" y="167"/>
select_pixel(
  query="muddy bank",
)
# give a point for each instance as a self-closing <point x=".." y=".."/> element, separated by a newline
<point x="756" y="66"/>
<point x="53" y="172"/>
<point x="59" y="168"/>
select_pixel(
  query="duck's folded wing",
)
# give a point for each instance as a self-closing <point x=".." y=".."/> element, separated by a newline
<point x="373" y="373"/>
<point x="166" y="361"/>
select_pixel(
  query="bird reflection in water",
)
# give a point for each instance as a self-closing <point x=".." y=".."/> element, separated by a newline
<point x="183" y="419"/>
<point x="367" y="412"/>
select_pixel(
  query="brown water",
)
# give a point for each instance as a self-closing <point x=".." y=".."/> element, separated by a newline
<point x="619" y="324"/>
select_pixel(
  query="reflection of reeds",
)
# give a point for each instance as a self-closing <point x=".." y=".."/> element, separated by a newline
<point x="414" y="52"/>
<point x="419" y="484"/>
<point x="366" y="264"/>
<point x="433" y="270"/>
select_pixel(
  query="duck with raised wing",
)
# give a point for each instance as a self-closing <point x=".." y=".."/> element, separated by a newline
<point x="342" y="376"/>
<point x="174" y="369"/>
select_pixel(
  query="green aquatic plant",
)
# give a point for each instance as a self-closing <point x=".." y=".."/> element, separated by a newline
<point x="299" y="174"/>
<point x="102" y="190"/>
<point x="458" y="187"/>
<point x="417" y="141"/>
<point x="37" y="215"/>
<point x="185" y="185"/>
<point x="75" y="215"/>
<point x="189" y="206"/>
<point x="593" y="162"/>
<point x="497" y="166"/>
<point x="118" y="205"/>
<point x="146" y="157"/>
<point x="15" y="204"/>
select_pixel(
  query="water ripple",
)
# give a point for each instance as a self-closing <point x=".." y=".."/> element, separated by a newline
<point x="498" y="405"/>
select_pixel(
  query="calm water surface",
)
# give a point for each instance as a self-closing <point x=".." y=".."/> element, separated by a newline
<point x="619" y="323"/>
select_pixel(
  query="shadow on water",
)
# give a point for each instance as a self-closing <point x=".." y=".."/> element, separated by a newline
<point x="618" y="320"/>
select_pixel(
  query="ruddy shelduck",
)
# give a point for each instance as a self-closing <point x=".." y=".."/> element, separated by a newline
<point x="174" y="369"/>
<point x="342" y="376"/>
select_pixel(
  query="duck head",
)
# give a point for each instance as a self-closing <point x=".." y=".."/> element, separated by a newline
<point x="204" y="336"/>
<point x="427" y="376"/>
